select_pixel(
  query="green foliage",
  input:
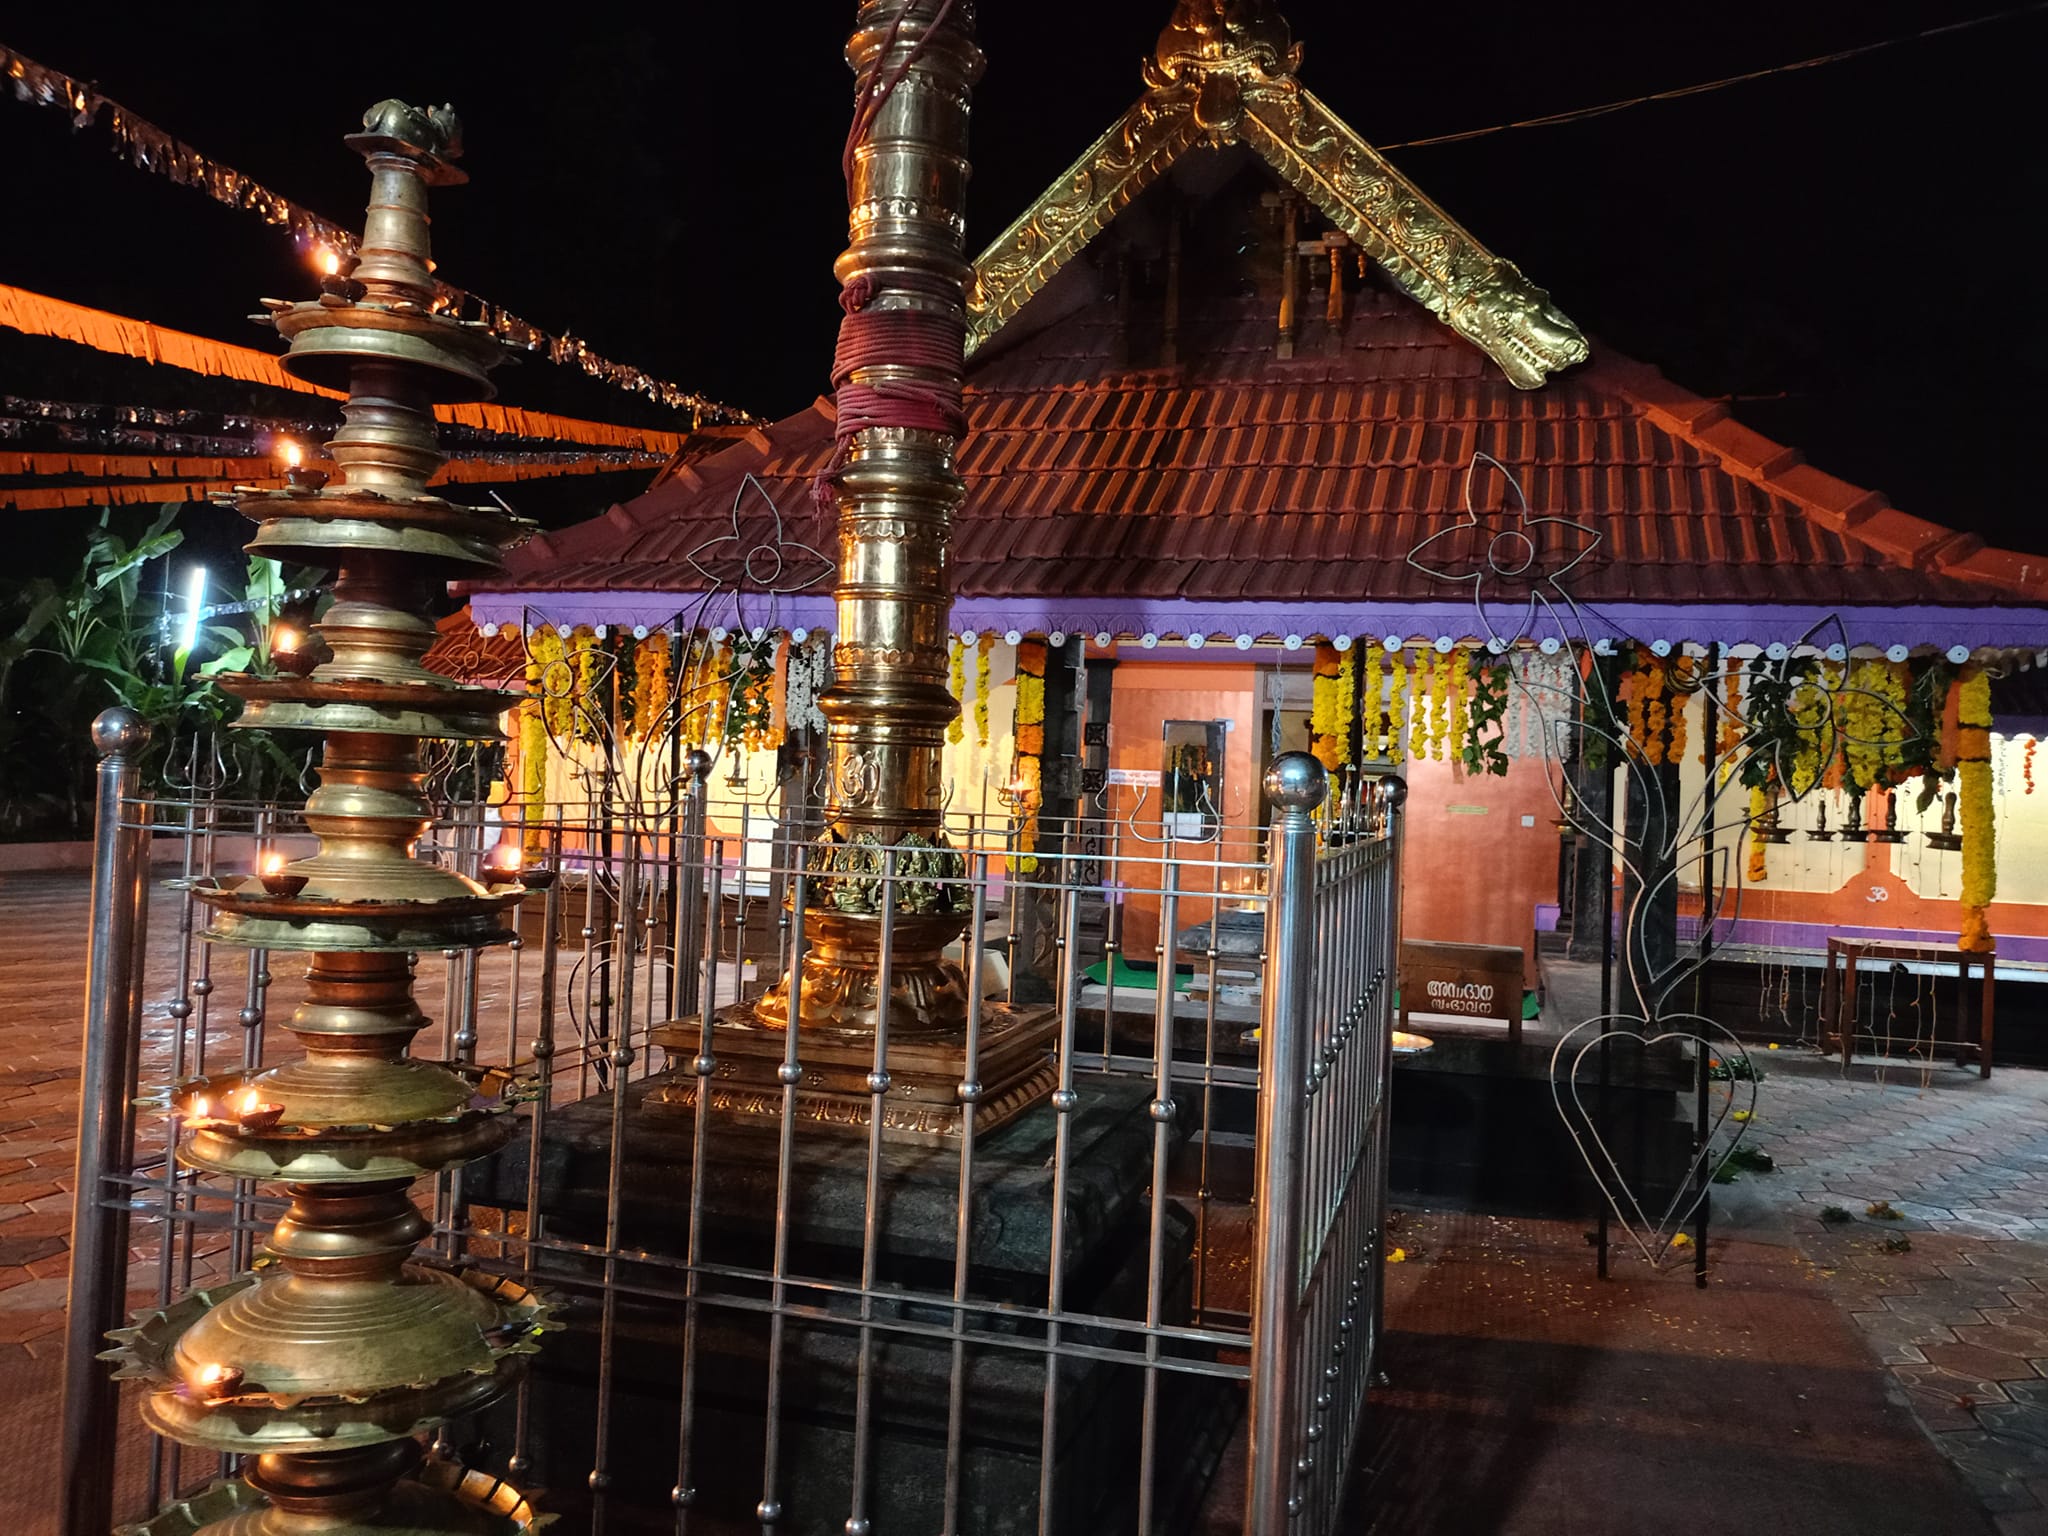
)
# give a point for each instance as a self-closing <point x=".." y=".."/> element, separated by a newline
<point x="68" y="651"/>
<point x="1744" y="1157"/>
<point x="1482" y="750"/>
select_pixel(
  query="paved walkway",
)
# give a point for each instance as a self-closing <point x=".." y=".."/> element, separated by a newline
<point x="1950" y="1289"/>
<point x="1863" y="1376"/>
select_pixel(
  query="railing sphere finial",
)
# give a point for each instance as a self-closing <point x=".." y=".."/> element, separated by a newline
<point x="119" y="729"/>
<point x="1296" y="782"/>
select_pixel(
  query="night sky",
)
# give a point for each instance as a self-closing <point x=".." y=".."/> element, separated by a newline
<point x="1849" y="251"/>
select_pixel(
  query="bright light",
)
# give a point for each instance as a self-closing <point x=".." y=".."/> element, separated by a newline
<point x="188" y="631"/>
<point x="330" y="260"/>
<point x="273" y="864"/>
<point x="294" y="455"/>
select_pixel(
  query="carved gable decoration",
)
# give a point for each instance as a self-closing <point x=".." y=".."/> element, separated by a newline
<point x="1224" y="73"/>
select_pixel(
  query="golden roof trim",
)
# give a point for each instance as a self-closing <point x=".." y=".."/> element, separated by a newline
<point x="1223" y="73"/>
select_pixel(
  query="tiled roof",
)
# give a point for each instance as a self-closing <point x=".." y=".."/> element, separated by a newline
<point x="1237" y="476"/>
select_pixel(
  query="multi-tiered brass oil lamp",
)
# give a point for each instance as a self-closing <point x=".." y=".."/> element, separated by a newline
<point x="323" y="1366"/>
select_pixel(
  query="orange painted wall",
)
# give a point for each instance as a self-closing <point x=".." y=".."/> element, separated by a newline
<point x="1144" y="696"/>
<point x="1472" y="873"/>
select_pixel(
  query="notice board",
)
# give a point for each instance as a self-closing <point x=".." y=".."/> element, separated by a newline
<point x="1447" y="985"/>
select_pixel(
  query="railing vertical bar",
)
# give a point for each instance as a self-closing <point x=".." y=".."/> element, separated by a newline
<point x="99" y="1259"/>
<point x="769" y="1510"/>
<point x="970" y="1100"/>
<point x="1162" y="1116"/>
<point x="684" y="1494"/>
<point x="871" y="1215"/>
<point x="1296" y="786"/>
<point x="543" y="1102"/>
<point x="1063" y="1102"/>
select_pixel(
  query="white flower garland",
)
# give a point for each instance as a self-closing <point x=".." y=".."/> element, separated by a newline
<point x="808" y="676"/>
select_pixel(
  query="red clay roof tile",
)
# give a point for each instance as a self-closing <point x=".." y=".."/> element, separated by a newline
<point x="1237" y="475"/>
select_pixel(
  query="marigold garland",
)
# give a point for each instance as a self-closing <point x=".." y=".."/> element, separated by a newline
<point x="2027" y="763"/>
<point x="956" y="684"/>
<point x="1418" y="705"/>
<point x="981" y="653"/>
<point x="1439" y="703"/>
<point x="1323" y="708"/>
<point x="1347" y="702"/>
<point x="750" y="715"/>
<point x="650" y="685"/>
<point x="549" y="675"/>
<point x="1396" y="740"/>
<point x="1461" y="680"/>
<point x="590" y="709"/>
<point x="1030" y="746"/>
<point x="1681" y="674"/>
<point x="533" y="769"/>
<point x="713" y="726"/>
<point x="1973" y="771"/>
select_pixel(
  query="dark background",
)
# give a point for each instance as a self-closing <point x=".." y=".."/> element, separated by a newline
<point x="1848" y="251"/>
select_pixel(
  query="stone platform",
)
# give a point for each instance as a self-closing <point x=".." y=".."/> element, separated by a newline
<point x="1097" y="1401"/>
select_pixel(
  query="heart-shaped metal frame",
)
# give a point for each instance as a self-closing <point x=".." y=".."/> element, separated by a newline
<point x="1654" y="1240"/>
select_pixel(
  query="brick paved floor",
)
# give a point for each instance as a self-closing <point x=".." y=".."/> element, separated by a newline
<point x="1956" y="1327"/>
<point x="1528" y="1397"/>
<point x="1960" y="1318"/>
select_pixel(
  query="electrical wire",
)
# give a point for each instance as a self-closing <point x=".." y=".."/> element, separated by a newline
<point x="1676" y="93"/>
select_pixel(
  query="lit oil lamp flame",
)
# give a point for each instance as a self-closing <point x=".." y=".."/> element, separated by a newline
<point x="330" y="261"/>
<point x="202" y="1108"/>
<point x="218" y="1380"/>
<point x="289" y="652"/>
<point x="502" y="865"/>
<point x="251" y="1102"/>
<point x="277" y="878"/>
<point x="294" y="455"/>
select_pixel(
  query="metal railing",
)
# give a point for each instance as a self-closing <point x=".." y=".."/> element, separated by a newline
<point x="1067" y="1324"/>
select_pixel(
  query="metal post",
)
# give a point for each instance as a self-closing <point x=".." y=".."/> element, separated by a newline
<point x="686" y="936"/>
<point x="1295" y="785"/>
<point x="99" y="1257"/>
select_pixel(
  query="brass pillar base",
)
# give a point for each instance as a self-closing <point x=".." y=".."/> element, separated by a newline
<point x="924" y="1102"/>
<point x="842" y="978"/>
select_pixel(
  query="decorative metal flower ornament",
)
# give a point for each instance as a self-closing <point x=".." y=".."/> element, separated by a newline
<point x="1505" y="556"/>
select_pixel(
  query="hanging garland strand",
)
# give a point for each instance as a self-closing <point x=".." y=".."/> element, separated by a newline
<point x="1372" y="703"/>
<point x="982" y="647"/>
<point x="1484" y="749"/>
<point x="1323" y="740"/>
<point x="149" y="148"/>
<point x="1030" y="748"/>
<point x="1973" y="771"/>
<point x="956" y="684"/>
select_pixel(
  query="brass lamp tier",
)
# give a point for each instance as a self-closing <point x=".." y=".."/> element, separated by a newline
<point x="341" y="1344"/>
<point x="437" y="1498"/>
<point x="310" y="526"/>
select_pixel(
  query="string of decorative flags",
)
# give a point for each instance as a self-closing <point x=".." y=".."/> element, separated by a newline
<point x="263" y="475"/>
<point x="149" y="148"/>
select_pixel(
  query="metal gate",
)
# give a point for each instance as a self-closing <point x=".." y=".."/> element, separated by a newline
<point x="1154" y="1307"/>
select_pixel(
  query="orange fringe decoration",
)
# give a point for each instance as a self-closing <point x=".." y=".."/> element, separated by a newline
<point x="36" y="314"/>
